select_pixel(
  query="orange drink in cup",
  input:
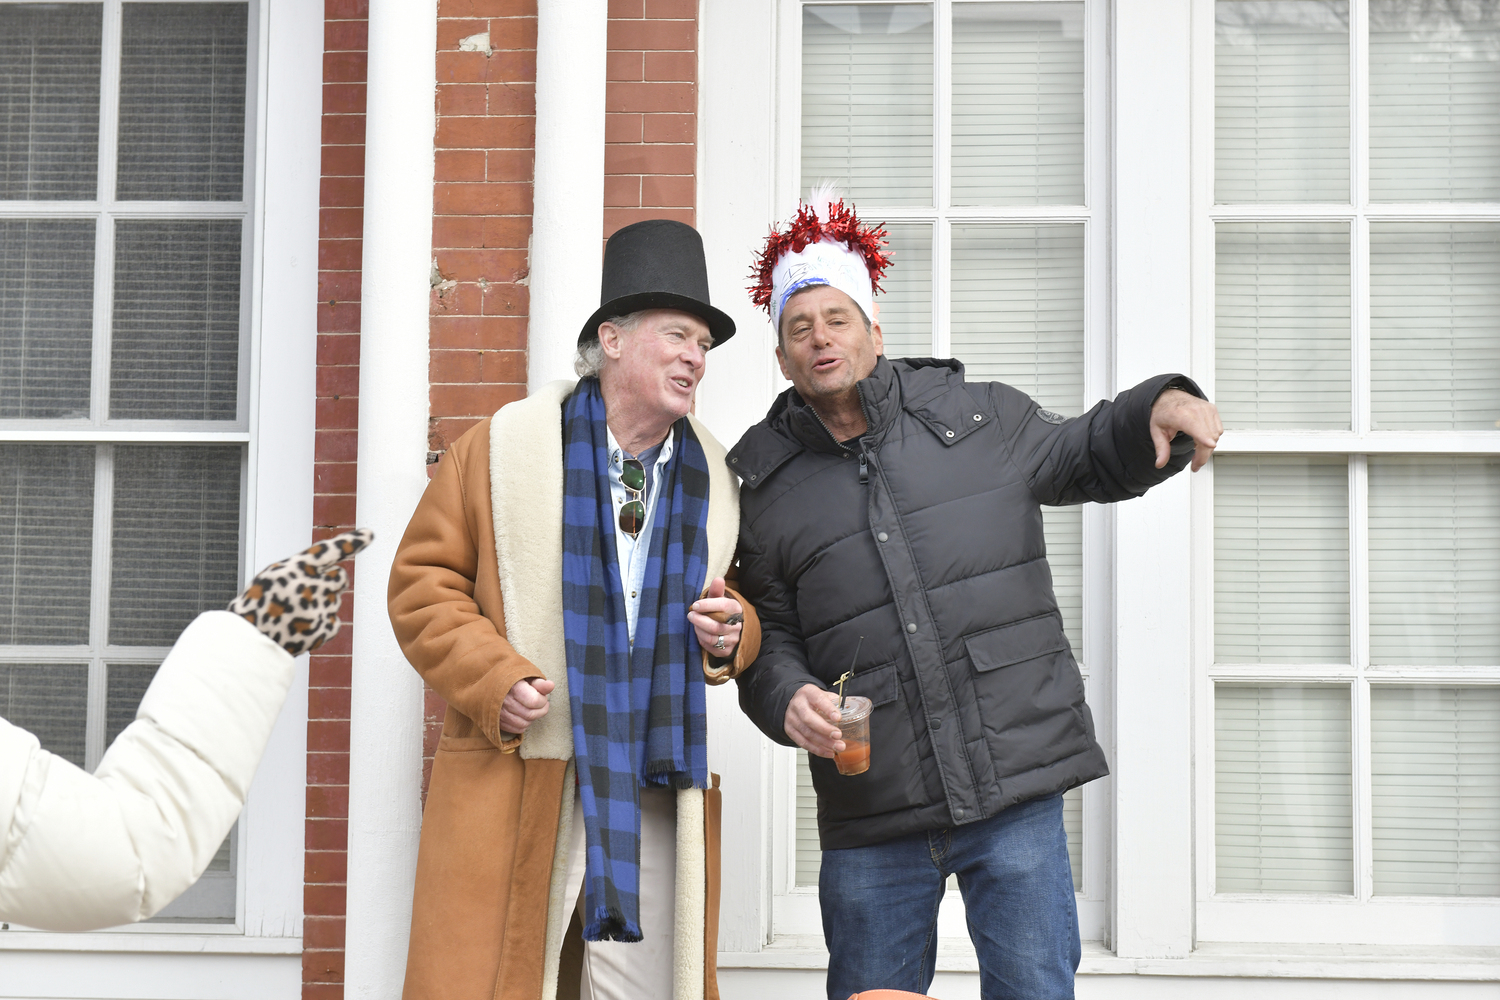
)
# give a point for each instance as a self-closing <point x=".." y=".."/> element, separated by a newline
<point x="854" y="724"/>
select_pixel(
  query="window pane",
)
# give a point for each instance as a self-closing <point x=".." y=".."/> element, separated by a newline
<point x="1282" y="796"/>
<point x="1434" y="101"/>
<point x="1018" y="104"/>
<point x="1073" y="825"/>
<point x="906" y="304"/>
<point x="867" y="101"/>
<point x="182" y="102"/>
<point x="1063" y="529"/>
<point x="49" y="101"/>
<point x="809" y="855"/>
<point x="1435" y="325"/>
<point x="1281" y="100"/>
<point x="124" y="689"/>
<point x="50" y="700"/>
<point x="46" y="317"/>
<point x="1435" y="560"/>
<point x="175" y="354"/>
<point x="1281" y="559"/>
<point x="1281" y="324"/>
<point x="176" y="539"/>
<point x="1018" y="309"/>
<point x="1435" y="762"/>
<point x="46" y="544"/>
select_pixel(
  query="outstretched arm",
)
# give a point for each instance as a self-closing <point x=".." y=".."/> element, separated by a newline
<point x="80" y="851"/>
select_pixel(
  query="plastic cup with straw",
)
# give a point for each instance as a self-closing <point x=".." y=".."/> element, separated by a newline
<point x="854" y="725"/>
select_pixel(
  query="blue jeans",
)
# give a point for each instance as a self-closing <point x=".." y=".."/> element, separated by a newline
<point x="880" y="906"/>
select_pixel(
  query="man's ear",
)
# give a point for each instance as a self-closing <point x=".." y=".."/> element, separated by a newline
<point x="875" y="333"/>
<point x="612" y="339"/>
<point x="781" y="360"/>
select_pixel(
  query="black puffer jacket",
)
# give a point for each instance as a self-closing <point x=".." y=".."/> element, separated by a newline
<point x="925" y="537"/>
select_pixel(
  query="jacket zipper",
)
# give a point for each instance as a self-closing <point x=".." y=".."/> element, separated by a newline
<point x="864" y="462"/>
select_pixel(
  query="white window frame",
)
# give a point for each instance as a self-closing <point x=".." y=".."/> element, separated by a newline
<point x="1360" y="919"/>
<point x="794" y="909"/>
<point x="260" y="951"/>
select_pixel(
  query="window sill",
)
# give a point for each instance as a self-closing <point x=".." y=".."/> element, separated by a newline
<point x="1248" y="961"/>
<point x="209" y="940"/>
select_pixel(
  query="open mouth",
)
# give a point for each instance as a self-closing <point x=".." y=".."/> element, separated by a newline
<point x="826" y="364"/>
<point x="683" y="383"/>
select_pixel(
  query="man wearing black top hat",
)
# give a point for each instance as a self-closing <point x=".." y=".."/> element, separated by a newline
<point x="562" y="586"/>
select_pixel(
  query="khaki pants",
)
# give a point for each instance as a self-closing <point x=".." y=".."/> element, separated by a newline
<point x="615" y="970"/>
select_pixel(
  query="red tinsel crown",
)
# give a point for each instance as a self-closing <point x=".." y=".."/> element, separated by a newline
<point x="841" y="226"/>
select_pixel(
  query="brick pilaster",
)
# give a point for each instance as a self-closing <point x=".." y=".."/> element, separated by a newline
<point x="340" y="231"/>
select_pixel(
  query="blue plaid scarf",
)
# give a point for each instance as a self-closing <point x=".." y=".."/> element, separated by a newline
<point x="638" y="714"/>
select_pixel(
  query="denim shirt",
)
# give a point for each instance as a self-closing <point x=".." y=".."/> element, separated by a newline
<point x="633" y="551"/>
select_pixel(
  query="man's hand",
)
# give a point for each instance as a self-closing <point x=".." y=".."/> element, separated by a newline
<point x="716" y="619"/>
<point x="526" y="702"/>
<point x="1176" y="411"/>
<point x="812" y="721"/>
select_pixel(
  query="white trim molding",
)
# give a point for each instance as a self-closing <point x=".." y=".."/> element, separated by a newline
<point x="385" y="731"/>
<point x="568" y="189"/>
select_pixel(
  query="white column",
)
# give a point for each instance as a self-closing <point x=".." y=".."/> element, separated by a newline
<point x="385" y="732"/>
<point x="567" y="222"/>
<point x="1153" y="897"/>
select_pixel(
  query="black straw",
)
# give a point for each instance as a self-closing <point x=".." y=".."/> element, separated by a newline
<point x="849" y="674"/>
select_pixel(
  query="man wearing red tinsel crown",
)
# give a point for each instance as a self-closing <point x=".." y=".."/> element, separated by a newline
<point x="891" y="513"/>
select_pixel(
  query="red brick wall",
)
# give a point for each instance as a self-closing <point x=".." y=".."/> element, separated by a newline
<point x="481" y="229"/>
<point x="481" y="210"/>
<point x="340" y="227"/>
<point x="651" y="103"/>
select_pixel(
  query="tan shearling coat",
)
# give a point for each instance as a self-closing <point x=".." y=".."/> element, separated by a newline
<point x="476" y="602"/>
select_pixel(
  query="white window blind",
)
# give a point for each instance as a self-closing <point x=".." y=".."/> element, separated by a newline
<point x="176" y="344"/>
<point x="1283" y="788"/>
<point x="182" y="101"/>
<point x="905" y="307"/>
<point x="49" y="100"/>
<point x="1435" y="559"/>
<point x="1282" y="324"/>
<point x="1281" y="99"/>
<point x="46" y="555"/>
<point x="51" y="701"/>
<point x="867" y="101"/>
<point x="1018" y="104"/>
<point x="1281" y="559"/>
<point x="108" y="547"/>
<point x="1435" y="764"/>
<point x="1018" y="309"/>
<point x="1434" y="100"/>
<point x="46" y="317"/>
<point x="1435" y="325"/>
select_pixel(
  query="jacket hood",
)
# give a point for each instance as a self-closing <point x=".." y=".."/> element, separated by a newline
<point x="791" y="425"/>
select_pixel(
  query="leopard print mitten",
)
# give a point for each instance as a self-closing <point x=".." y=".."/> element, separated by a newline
<point x="296" y="601"/>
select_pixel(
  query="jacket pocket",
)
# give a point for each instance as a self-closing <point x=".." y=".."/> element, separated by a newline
<point x="1029" y="694"/>
<point x="1016" y="643"/>
<point x="879" y="684"/>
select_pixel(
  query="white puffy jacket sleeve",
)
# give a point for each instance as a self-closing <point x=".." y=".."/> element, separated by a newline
<point x="80" y="851"/>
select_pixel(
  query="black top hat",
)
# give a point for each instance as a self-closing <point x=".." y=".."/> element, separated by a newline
<point x="656" y="264"/>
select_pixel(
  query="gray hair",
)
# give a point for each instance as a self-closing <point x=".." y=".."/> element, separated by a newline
<point x="589" y="361"/>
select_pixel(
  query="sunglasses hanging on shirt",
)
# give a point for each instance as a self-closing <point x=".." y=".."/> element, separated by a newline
<point x="633" y="513"/>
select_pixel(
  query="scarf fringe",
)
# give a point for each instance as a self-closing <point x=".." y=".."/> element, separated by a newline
<point x="609" y="924"/>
